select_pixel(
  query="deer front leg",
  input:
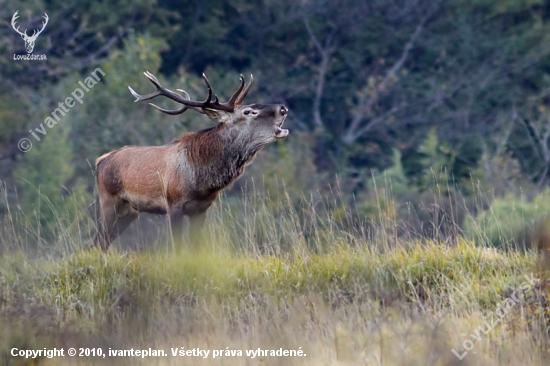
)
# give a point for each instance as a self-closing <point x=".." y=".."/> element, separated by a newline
<point x="176" y="226"/>
<point x="196" y="223"/>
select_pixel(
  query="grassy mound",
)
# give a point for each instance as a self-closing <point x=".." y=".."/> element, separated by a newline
<point x="344" y="303"/>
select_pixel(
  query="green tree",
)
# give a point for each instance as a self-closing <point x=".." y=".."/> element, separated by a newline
<point x="50" y="195"/>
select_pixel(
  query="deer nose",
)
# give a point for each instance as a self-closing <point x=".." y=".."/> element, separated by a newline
<point x="284" y="110"/>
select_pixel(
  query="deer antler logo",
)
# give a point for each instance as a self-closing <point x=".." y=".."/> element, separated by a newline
<point x="29" y="41"/>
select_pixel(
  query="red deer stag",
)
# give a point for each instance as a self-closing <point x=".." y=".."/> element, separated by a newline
<point x="185" y="176"/>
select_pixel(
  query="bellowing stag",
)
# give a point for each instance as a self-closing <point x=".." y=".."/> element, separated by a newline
<point x="185" y="176"/>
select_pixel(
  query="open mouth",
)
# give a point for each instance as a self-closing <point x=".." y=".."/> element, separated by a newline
<point x="281" y="132"/>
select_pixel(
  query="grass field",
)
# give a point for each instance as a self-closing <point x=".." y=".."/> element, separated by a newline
<point x="269" y="276"/>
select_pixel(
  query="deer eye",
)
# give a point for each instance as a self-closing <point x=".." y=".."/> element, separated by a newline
<point x="250" y="111"/>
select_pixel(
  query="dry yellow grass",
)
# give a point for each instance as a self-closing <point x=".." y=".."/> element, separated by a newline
<point x="276" y="279"/>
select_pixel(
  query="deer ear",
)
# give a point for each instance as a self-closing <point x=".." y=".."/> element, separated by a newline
<point x="218" y="116"/>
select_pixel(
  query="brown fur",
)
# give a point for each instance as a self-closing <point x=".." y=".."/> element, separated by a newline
<point x="185" y="176"/>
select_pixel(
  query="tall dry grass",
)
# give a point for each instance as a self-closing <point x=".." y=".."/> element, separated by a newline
<point x="272" y="272"/>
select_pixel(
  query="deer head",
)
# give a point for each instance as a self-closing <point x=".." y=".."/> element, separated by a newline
<point x="260" y="122"/>
<point x="29" y="40"/>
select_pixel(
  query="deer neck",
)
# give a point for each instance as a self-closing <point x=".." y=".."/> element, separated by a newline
<point x="218" y="157"/>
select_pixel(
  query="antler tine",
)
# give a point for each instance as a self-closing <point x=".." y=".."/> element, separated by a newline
<point x="186" y="94"/>
<point x="236" y="94"/>
<point x="176" y="111"/>
<point x="160" y="91"/>
<point x="186" y="101"/>
<point x="13" y="19"/>
<point x="216" y="104"/>
<point x="209" y="98"/>
<point x="140" y="98"/>
<point x="241" y="96"/>
<point x="170" y="112"/>
<point x="43" y="24"/>
<point x="152" y="78"/>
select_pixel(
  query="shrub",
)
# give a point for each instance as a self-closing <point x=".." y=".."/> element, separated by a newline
<point x="509" y="220"/>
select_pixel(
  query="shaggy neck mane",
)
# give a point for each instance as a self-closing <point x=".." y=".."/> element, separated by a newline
<point x="217" y="155"/>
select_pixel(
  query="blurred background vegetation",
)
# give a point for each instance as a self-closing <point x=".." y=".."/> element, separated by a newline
<point x="415" y="111"/>
<point x="413" y="123"/>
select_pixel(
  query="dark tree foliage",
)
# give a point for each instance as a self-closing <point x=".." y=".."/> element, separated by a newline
<point x="462" y="85"/>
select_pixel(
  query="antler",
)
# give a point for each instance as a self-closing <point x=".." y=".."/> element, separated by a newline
<point x="13" y="19"/>
<point x="241" y="96"/>
<point x="235" y="99"/>
<point x="34" y="34"/>
<point x="43" y="26"/>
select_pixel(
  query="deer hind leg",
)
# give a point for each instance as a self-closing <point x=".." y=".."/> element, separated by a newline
<point x="116" y="216"/>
